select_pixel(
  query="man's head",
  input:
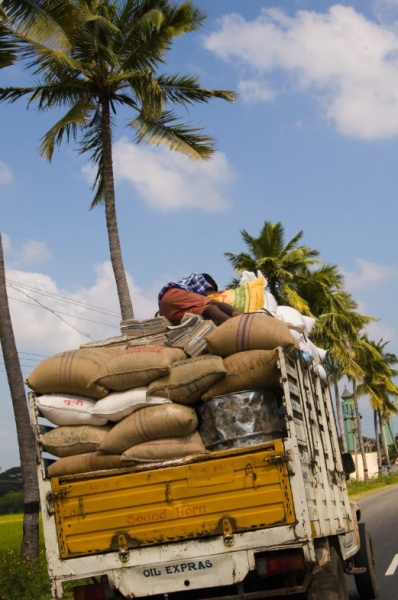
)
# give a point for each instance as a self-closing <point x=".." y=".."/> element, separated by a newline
<point x="210" y="281"/>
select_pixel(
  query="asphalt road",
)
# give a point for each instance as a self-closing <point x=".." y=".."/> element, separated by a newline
<point x="380" y="513"/>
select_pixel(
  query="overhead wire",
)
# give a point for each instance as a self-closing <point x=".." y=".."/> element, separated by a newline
<point x="56" y="314"/>
<point x="63" y="298"/>
<point x="21" y="288"/>
<point x="64" y="313"/>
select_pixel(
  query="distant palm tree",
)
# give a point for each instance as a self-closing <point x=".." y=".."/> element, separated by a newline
<point x="283" y="264"/>
<point x="297" y="278"/>
<point x="377" y="384"/>
<point x="92" y="57"/>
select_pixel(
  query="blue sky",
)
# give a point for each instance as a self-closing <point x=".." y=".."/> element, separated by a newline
<point x="312" y="143"/>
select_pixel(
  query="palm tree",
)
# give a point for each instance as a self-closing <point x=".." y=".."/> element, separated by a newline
<point x="336" y="327"/>
<point x="94" y="56"/>
<point x="296" y="280"/>
<point x="283" y="264"/>
<point x="377" y="384"/>
<point x="27" y="451"/>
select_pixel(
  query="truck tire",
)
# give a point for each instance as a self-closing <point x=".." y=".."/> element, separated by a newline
<point x="366" y="583"/>
<point x="329" y="583"/>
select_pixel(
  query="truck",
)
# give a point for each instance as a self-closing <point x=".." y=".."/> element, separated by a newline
<point x="269" y="519"/>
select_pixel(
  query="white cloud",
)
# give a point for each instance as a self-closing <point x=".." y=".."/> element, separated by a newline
<point x="48" y="319"/>
<point x="369" y="276"/>
<point x="386" y="12"/>
<point x="31" y="252"/>
<point x="381" y="331"/>
<point x="6" y="175"/>
<point x="348" y="62"/>
<point x="255" y="91"/>
<point x="168" y="180"/>
<point x="34" y="251"/>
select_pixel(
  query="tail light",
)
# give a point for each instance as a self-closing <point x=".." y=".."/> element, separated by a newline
<point x="279" y="563"/>
<point x="92" y="591"/>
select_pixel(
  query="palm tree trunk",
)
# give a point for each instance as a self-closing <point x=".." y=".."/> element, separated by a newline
<point x="384" y="443"/>
<point x="126" y="306"/>
<point x="359" y="433"/>
<point x="340" y="417"/>
<point x="394" y="441"/>
<point x="27" y="451"/>
<point x="376" y="419"/>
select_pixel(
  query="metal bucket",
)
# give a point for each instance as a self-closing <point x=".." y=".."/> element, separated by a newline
<point x="239" y="419"/>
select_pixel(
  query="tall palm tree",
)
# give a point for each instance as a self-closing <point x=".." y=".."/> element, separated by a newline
<point x="27" y="451"/>
<point x="92" y="57"/>
<point x="283" y="264"/>
<point x="336" y="328"/>
<point x="296" y="279"/>
<point x="377" y="384"/>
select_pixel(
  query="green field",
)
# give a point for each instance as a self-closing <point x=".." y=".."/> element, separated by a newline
<point x="20" y="580"/>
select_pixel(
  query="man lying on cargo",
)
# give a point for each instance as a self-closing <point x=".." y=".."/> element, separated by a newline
<point x="189" y="294"/>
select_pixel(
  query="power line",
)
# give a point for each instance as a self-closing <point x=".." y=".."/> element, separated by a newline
<point x="17" y="284"/>
<point x="56" y="315"/>
<point x="63" y="313"/>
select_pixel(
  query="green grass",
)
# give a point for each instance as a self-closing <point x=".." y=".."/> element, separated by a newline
<point x="20" y="580"/>
<point x="358" y="489"/>
<point x="10" y="531"/>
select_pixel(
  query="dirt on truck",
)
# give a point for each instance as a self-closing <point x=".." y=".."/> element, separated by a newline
<point x="248" y="501"/>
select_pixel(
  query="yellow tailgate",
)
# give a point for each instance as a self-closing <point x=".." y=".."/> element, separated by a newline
<point x="229" y="493"/>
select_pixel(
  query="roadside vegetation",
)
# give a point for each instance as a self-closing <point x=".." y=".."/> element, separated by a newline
<point x="358" y="488"/>
<point x="20" y="580"/>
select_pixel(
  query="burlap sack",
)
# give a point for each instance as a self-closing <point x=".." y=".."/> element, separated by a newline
<point x="188" y="379"/>
<point x="118" y="405"/>
<point x="71" y="372"/>
<point x="250" y="370"/>
<point x="249" y="332"/>
<point x="69" y="409"/>
<point x="166" y="449"/>
<point x="74" y="439"/>
<point x="83" y="463"/>
<point x="154" y="422"/>
<point x="138" y="366"/>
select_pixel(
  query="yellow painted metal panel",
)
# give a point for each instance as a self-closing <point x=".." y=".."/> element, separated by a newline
<point x="246" y="490"/>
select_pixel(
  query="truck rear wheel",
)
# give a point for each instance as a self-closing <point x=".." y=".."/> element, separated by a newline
<point x="366" y="583"/>
<point x="329" y="583"/>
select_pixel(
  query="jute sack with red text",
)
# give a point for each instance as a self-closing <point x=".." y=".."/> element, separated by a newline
<point x="69" y="409"/>
<point x="165" y="449"/>
<point x="255" y="331"/>
<point x="83" y="463"/>
<point x="154" y="422"/>
<point x="138" y="366"/>
<point x="72" y="372"/>
<point x="189" y="378"/>
<point x="74" y="439"/>
<point x="249" y="370"/>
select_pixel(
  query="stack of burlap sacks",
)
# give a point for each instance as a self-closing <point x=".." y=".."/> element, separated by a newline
<point x="124" y="403"/>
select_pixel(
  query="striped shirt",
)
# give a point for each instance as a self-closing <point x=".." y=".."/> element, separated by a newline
<point x="195" y="282"/>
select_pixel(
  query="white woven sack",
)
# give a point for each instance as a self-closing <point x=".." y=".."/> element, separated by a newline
<point x="309" y="323"/>
<point x="291" y="317"/>
<point x="68" y="409"/>
<point x="320" y="371"/>
<point x="118" y="405"/>
<point x="247" y="276"/>
<point x="270" y="304"/>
